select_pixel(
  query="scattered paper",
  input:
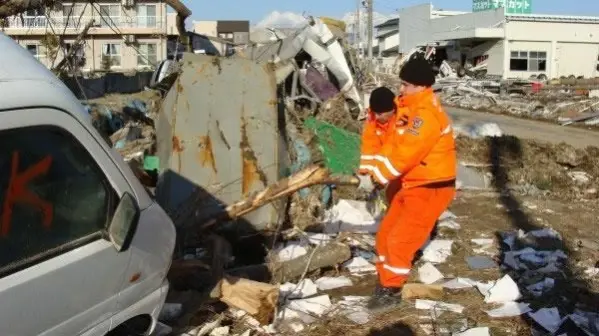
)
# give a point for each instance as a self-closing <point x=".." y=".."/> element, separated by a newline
<point x="447" y="215"/>
<point x="316" y="305"/>
<point x="359" y="265"/>
<point x="504" y="290"/>
<point x="318" y="238"/>
<point x="481" y="331"/>
<point x="547" y="318"/>
<point x="450" y="224"/>
<point x="484" y="287"/>
<point x="509" y="309"/>
<point x="291" y="251"/>
<point x="289" y="314"/>
<point x="354" y="309"/>
<point x="480" y="262"/>
<point x="349" y="216"/>
<point x="592" y="271"/>
<point x="301" y="290"/>
<point x="429" y="274"/>
<point x="437" y="251"/>
<point x="541" y="287"/>
<point x="296" y="326"/>
<point x="327" y="283"/>
<point x="220" y="331"/>
<point x="437" y="305"/>
<point x="483" y="241"/>
<point x="460" y="283"/>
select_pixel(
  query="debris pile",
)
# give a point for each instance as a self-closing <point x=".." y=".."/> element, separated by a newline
<point x="521" y="98"/>
<point x="532" y="167"/>
<point x="126" y="121"/>
<point x="313" y="270"/>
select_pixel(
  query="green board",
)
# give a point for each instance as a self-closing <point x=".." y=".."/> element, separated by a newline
<point x="510" y="6"/>
<point x="151" y="163"/>
<point x="340" y="148"/>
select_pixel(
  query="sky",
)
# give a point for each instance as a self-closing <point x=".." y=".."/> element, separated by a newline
<point x="258" y="9"/>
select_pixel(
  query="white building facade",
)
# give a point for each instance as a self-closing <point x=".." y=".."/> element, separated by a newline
<point x="512" y="45"/>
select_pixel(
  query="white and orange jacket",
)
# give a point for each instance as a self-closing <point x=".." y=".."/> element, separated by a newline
<point x="416" y="145"/>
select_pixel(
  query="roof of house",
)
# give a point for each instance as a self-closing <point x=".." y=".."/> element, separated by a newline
<point x="552" y="18"/>
<point x="387" y="34"/>
<point x="390" y="22"/>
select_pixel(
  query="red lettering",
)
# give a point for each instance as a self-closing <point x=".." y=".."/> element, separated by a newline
<point x="17" y="192"/>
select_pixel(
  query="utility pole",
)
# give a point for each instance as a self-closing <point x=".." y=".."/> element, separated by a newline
<point x="358" y="26"/>
<point x="370" y="28"/>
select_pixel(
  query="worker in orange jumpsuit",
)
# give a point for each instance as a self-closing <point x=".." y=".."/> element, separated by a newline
<point x="407" y="148"/>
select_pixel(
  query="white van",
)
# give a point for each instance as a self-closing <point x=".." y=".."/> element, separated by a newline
<point x="84" y="250"/>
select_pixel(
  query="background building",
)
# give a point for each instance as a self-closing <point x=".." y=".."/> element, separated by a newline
<point x="126" y="34"/>
<point x="510" y="42"/>
<point x="234" y="31"/>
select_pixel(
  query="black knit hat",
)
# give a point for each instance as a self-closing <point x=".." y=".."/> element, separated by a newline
<point x="382" y="100"/>
<point x="417" y="71"/>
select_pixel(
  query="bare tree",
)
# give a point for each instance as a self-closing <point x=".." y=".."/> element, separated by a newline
<point x="14" y="7"/>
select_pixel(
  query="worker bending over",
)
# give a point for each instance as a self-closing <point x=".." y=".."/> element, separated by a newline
<point x="407" y="147"/>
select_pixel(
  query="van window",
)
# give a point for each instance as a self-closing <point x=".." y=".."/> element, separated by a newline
<point x="53" y="196"/>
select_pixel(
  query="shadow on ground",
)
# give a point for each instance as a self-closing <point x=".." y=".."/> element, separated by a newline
<point x="568" y="293"/>
<point x="395" y="329"/>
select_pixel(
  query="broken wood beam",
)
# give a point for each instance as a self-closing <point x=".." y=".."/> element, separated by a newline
<point x="307" y="177"/>
<point x="182" y="13"/>
<point x="328" y="255"/>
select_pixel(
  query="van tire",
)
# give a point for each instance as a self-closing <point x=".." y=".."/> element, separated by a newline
<point x="136" y="326"/>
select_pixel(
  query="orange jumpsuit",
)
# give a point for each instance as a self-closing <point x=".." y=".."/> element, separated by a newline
<point x="414" y="156"/>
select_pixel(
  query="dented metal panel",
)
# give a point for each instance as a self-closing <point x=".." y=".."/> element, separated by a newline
<point x="219" y="129"/>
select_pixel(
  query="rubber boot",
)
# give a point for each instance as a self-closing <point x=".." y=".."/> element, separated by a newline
<point x="384" y="298"/>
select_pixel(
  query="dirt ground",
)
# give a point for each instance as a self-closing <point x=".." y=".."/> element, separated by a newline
<point x="484" y="215"/>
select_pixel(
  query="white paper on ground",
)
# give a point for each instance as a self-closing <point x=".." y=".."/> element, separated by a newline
<point x="591" y="271"/>
<point x="326" y="283"/>
<point x="296" y="326"/>
<point x="359" y="265"/>
<point x="450" y="224"/>
<point x="460" y="283"/>
<point x="291" y="251"/>
<point x="437" y="305"/>
<point x="220" y="331"/>
<point x="303" y="289"/>
<point x="437" y="251"/>
<point x="484" y="287"/>
<point x="316" y="305"/>
<point x="547" y="318"/>
<point x="480" y="331"/>
<point x="318" y="238"/>
<point x="354" y="309"/>
<point x="293" y="314"/>
<point x="504" y="290"/>
<point x="447" y="215"/>
<point x="509" y="309"/>
<point x="429" y="274"/>
<point x="483" y="241"/>
<point x="349" y="216"/>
